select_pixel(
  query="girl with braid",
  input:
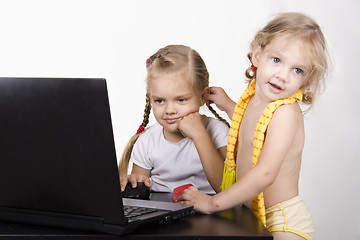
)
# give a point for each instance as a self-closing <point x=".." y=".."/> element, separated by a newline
<point x="168" y="152"/>
<point x="266" y="136"/>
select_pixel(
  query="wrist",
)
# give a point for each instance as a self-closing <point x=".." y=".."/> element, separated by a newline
<point x="212" y="206"/>
<point x="230" y="108"/>
<point x="200" y="136"/>
<point x="198" y="132"/>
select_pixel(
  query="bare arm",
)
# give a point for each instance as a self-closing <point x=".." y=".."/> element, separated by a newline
<point x="243" y="190"/>
<point x="222" y="101"/>
<point x="279" y="139"/>
<point x="212" y="159"/>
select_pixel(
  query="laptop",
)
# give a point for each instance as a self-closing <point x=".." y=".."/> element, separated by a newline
<point x="58" y="164"/>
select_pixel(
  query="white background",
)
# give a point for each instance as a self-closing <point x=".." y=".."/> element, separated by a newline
<point x="112" y="39"/>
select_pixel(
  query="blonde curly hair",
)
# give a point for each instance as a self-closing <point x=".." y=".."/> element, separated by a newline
<point x="302" y="27"/>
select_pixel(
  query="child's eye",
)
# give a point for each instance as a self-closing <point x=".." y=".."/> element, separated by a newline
<point x="275" y="59"/>
<point x="159" y="101"/>
<point x="298" y="71"/>
<point x="181" y="100"/>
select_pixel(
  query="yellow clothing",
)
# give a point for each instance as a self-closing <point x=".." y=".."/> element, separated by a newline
<point x="291" y="216"/>
<point x="229" y="176"/>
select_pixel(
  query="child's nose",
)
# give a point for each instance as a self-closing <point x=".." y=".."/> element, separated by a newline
<point x="282" y="73"/>
<point x="170" y="108"/>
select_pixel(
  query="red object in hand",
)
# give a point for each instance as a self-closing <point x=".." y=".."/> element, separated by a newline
<point x="178" y="191"/>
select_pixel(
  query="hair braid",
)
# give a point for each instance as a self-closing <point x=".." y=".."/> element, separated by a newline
<point x="125" y="158"/>
<point x="250" y="72"/>
<point x="218" y="116"/>
<point x="146" y="111"/>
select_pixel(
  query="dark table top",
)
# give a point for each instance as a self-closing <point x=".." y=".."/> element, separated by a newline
<point x="237" y="223"/>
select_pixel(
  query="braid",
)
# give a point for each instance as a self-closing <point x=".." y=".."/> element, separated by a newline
<point x="308" y="97"/>
<point x="218" y="116"/>
<point x="125" y="158"/>
<point x="146" y="112"/>
<point x="159" y="54"/>
<point x="250" y="71"/>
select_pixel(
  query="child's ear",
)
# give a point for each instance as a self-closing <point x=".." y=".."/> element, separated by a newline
<point x="256" y="56"/>
<point x="206" y="90"/>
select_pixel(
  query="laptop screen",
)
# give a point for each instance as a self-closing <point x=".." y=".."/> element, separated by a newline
<point x="53" y="131"/>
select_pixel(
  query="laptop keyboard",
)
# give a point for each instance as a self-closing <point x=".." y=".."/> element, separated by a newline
<point x="131" y="211"/>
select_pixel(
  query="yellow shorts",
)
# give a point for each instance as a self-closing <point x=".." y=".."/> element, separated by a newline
<point x="291" y="216"/>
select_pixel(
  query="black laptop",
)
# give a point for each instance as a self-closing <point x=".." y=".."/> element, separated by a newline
<point x="58" y="165"/>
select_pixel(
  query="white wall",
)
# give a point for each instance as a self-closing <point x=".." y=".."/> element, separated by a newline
<point x="112" y="39"/>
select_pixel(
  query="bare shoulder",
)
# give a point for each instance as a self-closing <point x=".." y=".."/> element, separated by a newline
<point x="290" y="113"/>
<point x="287" y="121"/>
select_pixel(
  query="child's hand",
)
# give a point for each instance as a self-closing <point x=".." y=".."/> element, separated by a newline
<point x="200" y="201"/>
<point x="218" y="96"/>
<point x="134" y="179"/>
<point x="190" y="125"/>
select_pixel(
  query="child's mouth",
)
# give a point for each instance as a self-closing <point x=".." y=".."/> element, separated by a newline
<point x="171" y="120"/>
<point x="275" y="87"/>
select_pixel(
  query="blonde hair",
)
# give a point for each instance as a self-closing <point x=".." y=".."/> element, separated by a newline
<point x="305" y="28"/>
<point x="172" y="58"/>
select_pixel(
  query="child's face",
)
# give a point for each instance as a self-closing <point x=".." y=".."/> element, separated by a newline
<point x="172" y="97"/>
<point x="282" y="68"/>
